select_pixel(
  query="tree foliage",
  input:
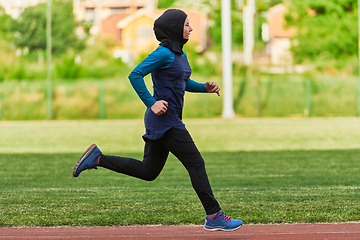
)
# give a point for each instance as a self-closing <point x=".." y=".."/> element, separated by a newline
<point x="5" y="21"/>
<point x="325" y="28"/>
<point x="236" y="19"/>
<point x="30" y="28"/>
<point x="165" y="3"/>
<point x="236" y="26"/>
<point x="264" y="5"/>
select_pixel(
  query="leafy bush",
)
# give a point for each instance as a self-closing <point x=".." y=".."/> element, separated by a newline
<point x="201" y="64"/>
<point x="97" y="60"/>
<point x="324" y="28"/>
<point x="66" y="68"/>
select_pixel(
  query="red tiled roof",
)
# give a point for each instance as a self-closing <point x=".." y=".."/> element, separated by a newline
<point x="108" y="25"/>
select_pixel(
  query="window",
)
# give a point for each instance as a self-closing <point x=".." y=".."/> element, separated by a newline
<point x="89" y="15"/>
<point x="120" y="35"/>
<point x="144" y="31"/>
<point x="119" y="9"/>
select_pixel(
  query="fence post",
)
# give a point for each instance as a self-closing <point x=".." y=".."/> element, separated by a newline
<point x="102" y="112"/>
<point x="307" y="110"/>
<point x="1" y="100"/>
<point x="258" y="97"/>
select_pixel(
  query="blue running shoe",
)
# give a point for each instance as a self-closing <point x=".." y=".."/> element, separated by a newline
<point x="222" y="223"/>
<point x="87" y="160"/>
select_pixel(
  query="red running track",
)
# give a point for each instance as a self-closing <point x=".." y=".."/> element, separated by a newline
<point x="343" y="231"/>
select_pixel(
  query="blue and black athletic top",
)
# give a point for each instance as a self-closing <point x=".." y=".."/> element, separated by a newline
<point x="170" y="75"/>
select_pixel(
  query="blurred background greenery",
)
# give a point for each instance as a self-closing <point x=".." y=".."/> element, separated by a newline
<point x="325" y="47"/>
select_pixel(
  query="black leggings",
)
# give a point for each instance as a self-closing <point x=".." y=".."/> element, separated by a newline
<point x="179" y="143"/>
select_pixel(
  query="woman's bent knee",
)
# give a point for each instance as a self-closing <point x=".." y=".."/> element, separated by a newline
<point x="150" y="177"/>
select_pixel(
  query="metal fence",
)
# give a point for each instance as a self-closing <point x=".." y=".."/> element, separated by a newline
<point x="269" y="96"/>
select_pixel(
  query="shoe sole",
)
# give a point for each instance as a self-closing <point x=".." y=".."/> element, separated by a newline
<point x="222" y="229"/>
<point x="85" y="155"/>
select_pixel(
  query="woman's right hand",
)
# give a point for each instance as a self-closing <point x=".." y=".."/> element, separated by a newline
<point x="160" y="107"/>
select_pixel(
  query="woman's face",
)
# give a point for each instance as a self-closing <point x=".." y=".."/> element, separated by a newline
<point x="187" y="29"/>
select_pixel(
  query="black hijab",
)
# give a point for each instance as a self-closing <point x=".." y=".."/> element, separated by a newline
<point x="169" y="28"/>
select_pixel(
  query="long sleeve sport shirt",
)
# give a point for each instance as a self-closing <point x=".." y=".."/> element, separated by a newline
<point x="170" y="75"/>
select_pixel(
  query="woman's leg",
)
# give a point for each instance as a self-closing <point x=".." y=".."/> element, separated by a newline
<point x="180" y="143"/>
<point x="155" y="155"/>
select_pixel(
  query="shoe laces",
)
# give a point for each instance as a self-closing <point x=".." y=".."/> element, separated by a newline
<point x="226" y="218"/>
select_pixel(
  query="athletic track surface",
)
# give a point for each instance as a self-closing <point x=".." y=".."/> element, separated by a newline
<point x="342" y="231"/>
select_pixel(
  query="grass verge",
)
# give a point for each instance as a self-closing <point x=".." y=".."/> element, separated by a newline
<point x="257" y="187"/>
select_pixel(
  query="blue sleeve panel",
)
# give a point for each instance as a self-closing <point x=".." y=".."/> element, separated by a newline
<point x="161" y="58"/>
<point x="192" y="86"/>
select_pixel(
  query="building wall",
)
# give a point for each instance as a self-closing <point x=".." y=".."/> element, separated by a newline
<point x="280" y="51"/>
<point x="139" y="36"/>
<point x="96" y="10"/>
<point x="280" y="42"/>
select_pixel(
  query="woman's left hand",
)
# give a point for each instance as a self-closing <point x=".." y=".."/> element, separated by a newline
<point x="212" y="87"/>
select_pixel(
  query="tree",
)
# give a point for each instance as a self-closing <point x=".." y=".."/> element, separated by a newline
<point x="325" y="28"/>
<point x="213" y="9"/>
<point x="5" y="21"/>
<point x="30" y="28"/>
<point x="165" y="3"/>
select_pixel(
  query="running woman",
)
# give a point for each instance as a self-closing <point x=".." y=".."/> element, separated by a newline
<point x="165" y="130"/>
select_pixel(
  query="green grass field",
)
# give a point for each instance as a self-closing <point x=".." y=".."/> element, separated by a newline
<point x="262" y="171"/>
